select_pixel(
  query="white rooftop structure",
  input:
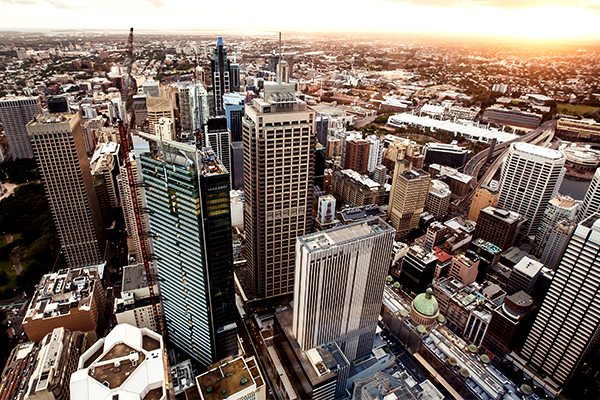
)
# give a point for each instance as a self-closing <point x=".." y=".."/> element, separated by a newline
<point x="128" y="364"/>
<point x="538" y="151"/>
<point x="470" y="132"/>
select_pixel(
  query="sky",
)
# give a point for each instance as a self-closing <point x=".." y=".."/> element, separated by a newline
<point x="538" y="19"/>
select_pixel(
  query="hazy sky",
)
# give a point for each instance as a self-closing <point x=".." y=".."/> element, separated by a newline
<point x="521" y="18"/>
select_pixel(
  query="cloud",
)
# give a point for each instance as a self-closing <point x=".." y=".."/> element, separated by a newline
<point x="504" y="4"/>
<point x="84" y="4"/>
<point x="20" y="2"/>
<point x="157" y="3"/>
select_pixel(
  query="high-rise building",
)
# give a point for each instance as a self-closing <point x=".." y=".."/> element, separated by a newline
<point x="484" y="197"/>
<point x="134" y="307"/>
<point x="531" y="177"/>
<point x="465" y="267"/>
<point x="157" y="108"/>
<point x="438" y="198"/>
<point x="418" y="269"/>
<point x="566" y="328"/>
<point x="557" y="243"/>
<point x="73" y="299"/>
<point x="58" y="147"/>
<point x="524" y="275"/>
<point x="234" y="111"/>
<point x="499" y="227"/>
<point x="357" y="155"/>
<point x="186" y="112"/>
<point x="216" y="136"/>
<point x="188" y="196"/>
<point x="57" y="359"/>
<point x="58" y="104"/>
<point x="375" y="152"/>
<point x="16" y="113"/>
<point x="237" y="165"/>
<point x="151" y="88"/>
<point x="221" y="82"/>
<point x="591" y="201"/>
<point x="559" y="208"/>
<point x="407" y="197"/>
<point x="326" y="309"/>
<point x="279" y="144"/>
<point x="128" y="362"/>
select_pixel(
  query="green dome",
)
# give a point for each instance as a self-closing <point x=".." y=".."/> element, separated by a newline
<point x="426" y="304"/>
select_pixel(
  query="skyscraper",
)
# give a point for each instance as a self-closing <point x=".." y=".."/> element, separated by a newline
<point x="234" y="111"/>
<point x="357" y="155"/>
<point x="591" y="201"/>
<point x="221" y="82"/>
<point x="531" y="176"/>
<point x="187" y="193"/>
<point x="559" y="208"/>
<point x="407" y="197"/>
<point x="16" y="113"/>
<point x="279" y="145"/>
<point x="567" y="325"/>
<point x="58" y="147"/>
<point x="557" y="243"/>
<point x="340" y="276"/>
<point x="499" y="227"/>
<point x="216" y="136"/>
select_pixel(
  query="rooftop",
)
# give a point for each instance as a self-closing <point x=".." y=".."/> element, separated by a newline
<point x="61" y="291"/>
<point x="358" y="213"/>
<point x="507" y="216"/>
<point x="452" y="173"/>
<point x="225" y="380"/>
<point x="538" y="151"/>
<point x="330" y="237"/>
<point x="564" y="201"/>
<point x="528" y="266"/>
<point x="128" y="360"/>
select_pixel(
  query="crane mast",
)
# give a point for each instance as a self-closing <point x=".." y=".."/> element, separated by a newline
<point x="124" y="134"/>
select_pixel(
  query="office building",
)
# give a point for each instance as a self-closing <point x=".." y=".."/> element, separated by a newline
<point x="559" y="208"/>
<point x="465" y="267"/>
<point x="17" y="371"/>
<point x="325" y="310"/>
<point x="134" y="307"/>
<point x="499" y="227"/>
<point x="140" y="109"/>
<point x="239" y="379"/>
<point x="216" y="136"/>
<point x="514" y="117"/>
<point x="402" y="149"/>
<point x="16" y="113"/>
<point x="279" y="143"/>
<point x="326" y="210"/>
<point x="70" y="298"/>
<point x="407" y="198"/>
<point x="58" y="104"/>
<point x="578" y="128"/>
<point x="165" y="128"/>
<point x="375" y="152"/>
<point x="357" y="189"/>
<point x="57" y="357"/>
<point x="322" y="129"/>
<point x="128" y="363"/>
<point x="509" y="324"/>
<point x="237" y="165"/>
<point x="488" y="254"/>
<point x="484" y="197"/>
<point x="557" y="243"/>
<point x="438" y="198"/>
<point x="566" y="327"/>
<point x="357" y="155"/>
<point x="524" y="275"/>
<point x="436" y="234"/>
<point x="418" y="269"/>
<point x="591" y="201"/>
<point x="221" y="82"/>
<point x="446" y="154"/>
<point x="188" y="196"/>
<point x="460" y="184"/>
<point x="234" y="112"/>
<point x="65" y="170"/>
<point x="380" y="174"/>
<point x="151" y="88"/>
<point x="186" y="111"/>
<point x="158" y="108"/>
<point x="531" y="177"/>
<point x="351" y="215"/>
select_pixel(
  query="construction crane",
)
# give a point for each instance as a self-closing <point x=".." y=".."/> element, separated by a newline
<point x="124" y="132"/>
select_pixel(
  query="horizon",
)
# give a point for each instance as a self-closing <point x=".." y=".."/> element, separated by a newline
<point x="525" y="20"/>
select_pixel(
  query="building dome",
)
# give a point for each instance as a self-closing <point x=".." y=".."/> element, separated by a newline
<point x="426" y="304"/>
<point x="425" y="309"/>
